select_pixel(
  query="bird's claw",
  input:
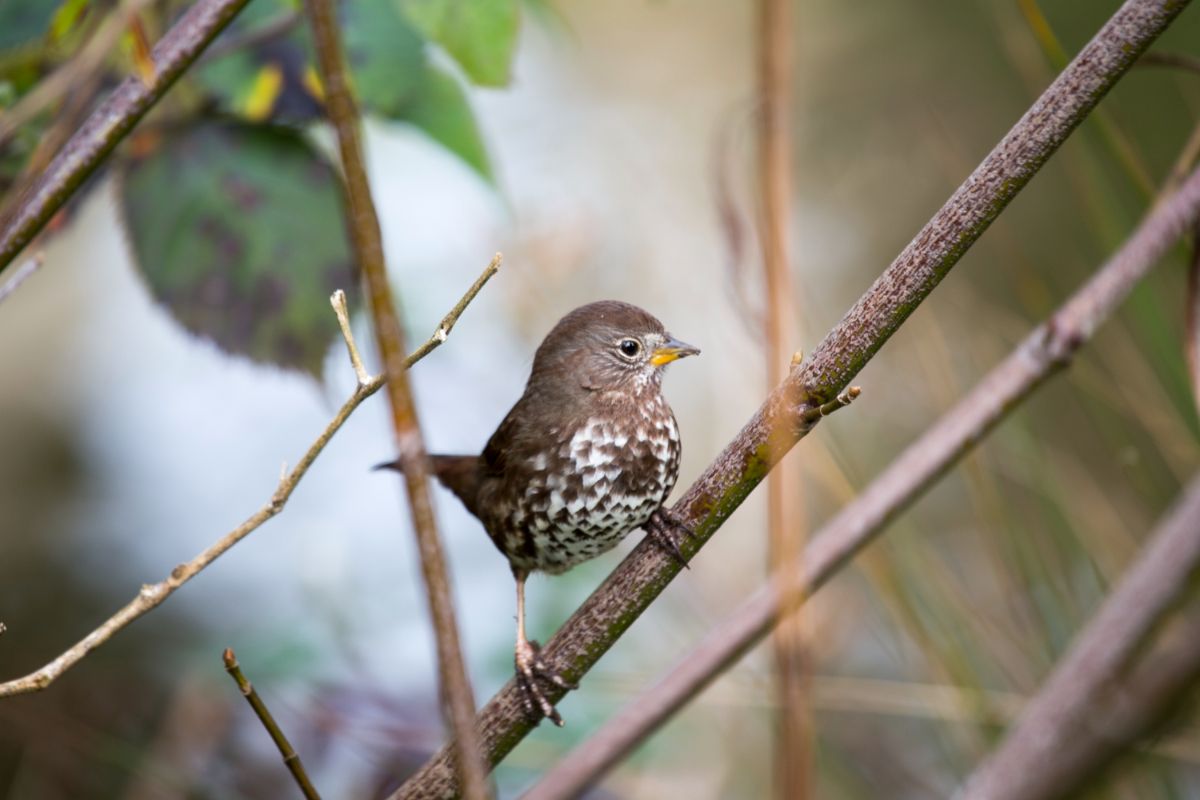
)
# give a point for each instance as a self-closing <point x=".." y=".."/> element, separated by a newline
<point x="530" y="670"/>
<point x="661" y="529"/>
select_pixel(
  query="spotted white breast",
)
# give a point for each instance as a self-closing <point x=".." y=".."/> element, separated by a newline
<point x="610" y="477"/>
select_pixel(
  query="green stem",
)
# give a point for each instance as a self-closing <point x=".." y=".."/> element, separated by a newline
<point x="290" y="757"/>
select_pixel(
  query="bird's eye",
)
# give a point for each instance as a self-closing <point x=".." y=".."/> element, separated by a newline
<point x="630" y="347"/>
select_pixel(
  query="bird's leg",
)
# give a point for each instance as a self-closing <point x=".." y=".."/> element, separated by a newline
<point x="531" y="668"/>
<point x="661" y="528"/>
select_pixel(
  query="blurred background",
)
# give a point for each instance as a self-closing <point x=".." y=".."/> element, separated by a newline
<point x="127" y="444"/>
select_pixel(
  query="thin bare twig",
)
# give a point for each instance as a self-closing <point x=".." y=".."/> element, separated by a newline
<point x="291" y="758"/>
<point x="1191" y="316"/>
<point x="1065" y="731"/>
<point x="1188" y="156"/>
<point x="730" y="224"/>
<point x="271" y="29"/>
<point x="458" y="700"/>
<point x="1047" y="350"/>
<point x="639" y="579"/>
<point x="785" y="521"/>
<point x="904" y="699"/>
<point x="1177" y="60"/>
<point x="22" y="274"/>
<point x="112" y="120"/>
<point x="153" y="595"/>
<point x="447" y="324"/>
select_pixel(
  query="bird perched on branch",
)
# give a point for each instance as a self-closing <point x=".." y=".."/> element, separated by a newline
<point x="589" y="453"/>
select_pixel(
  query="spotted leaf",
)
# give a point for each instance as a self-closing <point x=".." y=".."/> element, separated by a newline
<point x="240" y="232"/>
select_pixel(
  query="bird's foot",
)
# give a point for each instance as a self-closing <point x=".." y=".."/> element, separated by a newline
<point x="662" y="527"/>
<point x="531" y="673"/>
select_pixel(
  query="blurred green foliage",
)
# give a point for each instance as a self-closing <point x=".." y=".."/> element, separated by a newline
<point x="479" y="34"/>
<point x="255" y="277"/>
<point x="23" y="22"/>
<point x="393" y="76"/>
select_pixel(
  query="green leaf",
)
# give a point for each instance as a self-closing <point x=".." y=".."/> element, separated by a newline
<point x="240" y="232"/>
<point x="439" y="107"/>
<point x="272" y="81"/>
<point x="67" y="18"/>
<point x="479" y="34"/>
<point x="385" y="54"/>
<point x="392" y="78"/>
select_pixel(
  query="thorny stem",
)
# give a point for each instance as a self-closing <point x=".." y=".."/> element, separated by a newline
<point x="639" y="579"/>
<point x="152" y="595"/>
<point x="291" y="758"/>
<point x="1046" y="351"/>
<point x="112" y="120"/>
<point x="340" y="108"/>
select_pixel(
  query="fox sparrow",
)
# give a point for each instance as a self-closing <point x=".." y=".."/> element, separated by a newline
<point x="589" y="453"/>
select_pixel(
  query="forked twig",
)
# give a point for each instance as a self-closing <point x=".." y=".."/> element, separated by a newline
<point x="342" y="112"/>
<point x="153" y="594"/>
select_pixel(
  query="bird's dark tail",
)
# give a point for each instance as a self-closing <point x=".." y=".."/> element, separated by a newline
<point x="459" y="474"/>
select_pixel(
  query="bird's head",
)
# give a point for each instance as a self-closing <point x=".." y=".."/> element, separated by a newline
<point x="606" y="346"/>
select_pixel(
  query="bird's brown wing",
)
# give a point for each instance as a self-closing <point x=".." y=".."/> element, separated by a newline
<point x="494" y="461"/>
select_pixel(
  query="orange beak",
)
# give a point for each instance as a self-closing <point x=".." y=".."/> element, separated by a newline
<point x="671" y="350"/>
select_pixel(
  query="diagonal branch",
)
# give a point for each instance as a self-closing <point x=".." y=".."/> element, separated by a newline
<point x="1066" y="731"/>
<point x="112" y="121"/>
<point x="1044" y="352"/>
<point x="154" y="594"/>
<point x="1191" y="318"/>
<point x="458" y="700"/>
<point x="639" y="579"/>
<point x="84" y="64"/>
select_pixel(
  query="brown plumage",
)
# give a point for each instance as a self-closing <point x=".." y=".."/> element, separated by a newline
<point x="587" y="454"/>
